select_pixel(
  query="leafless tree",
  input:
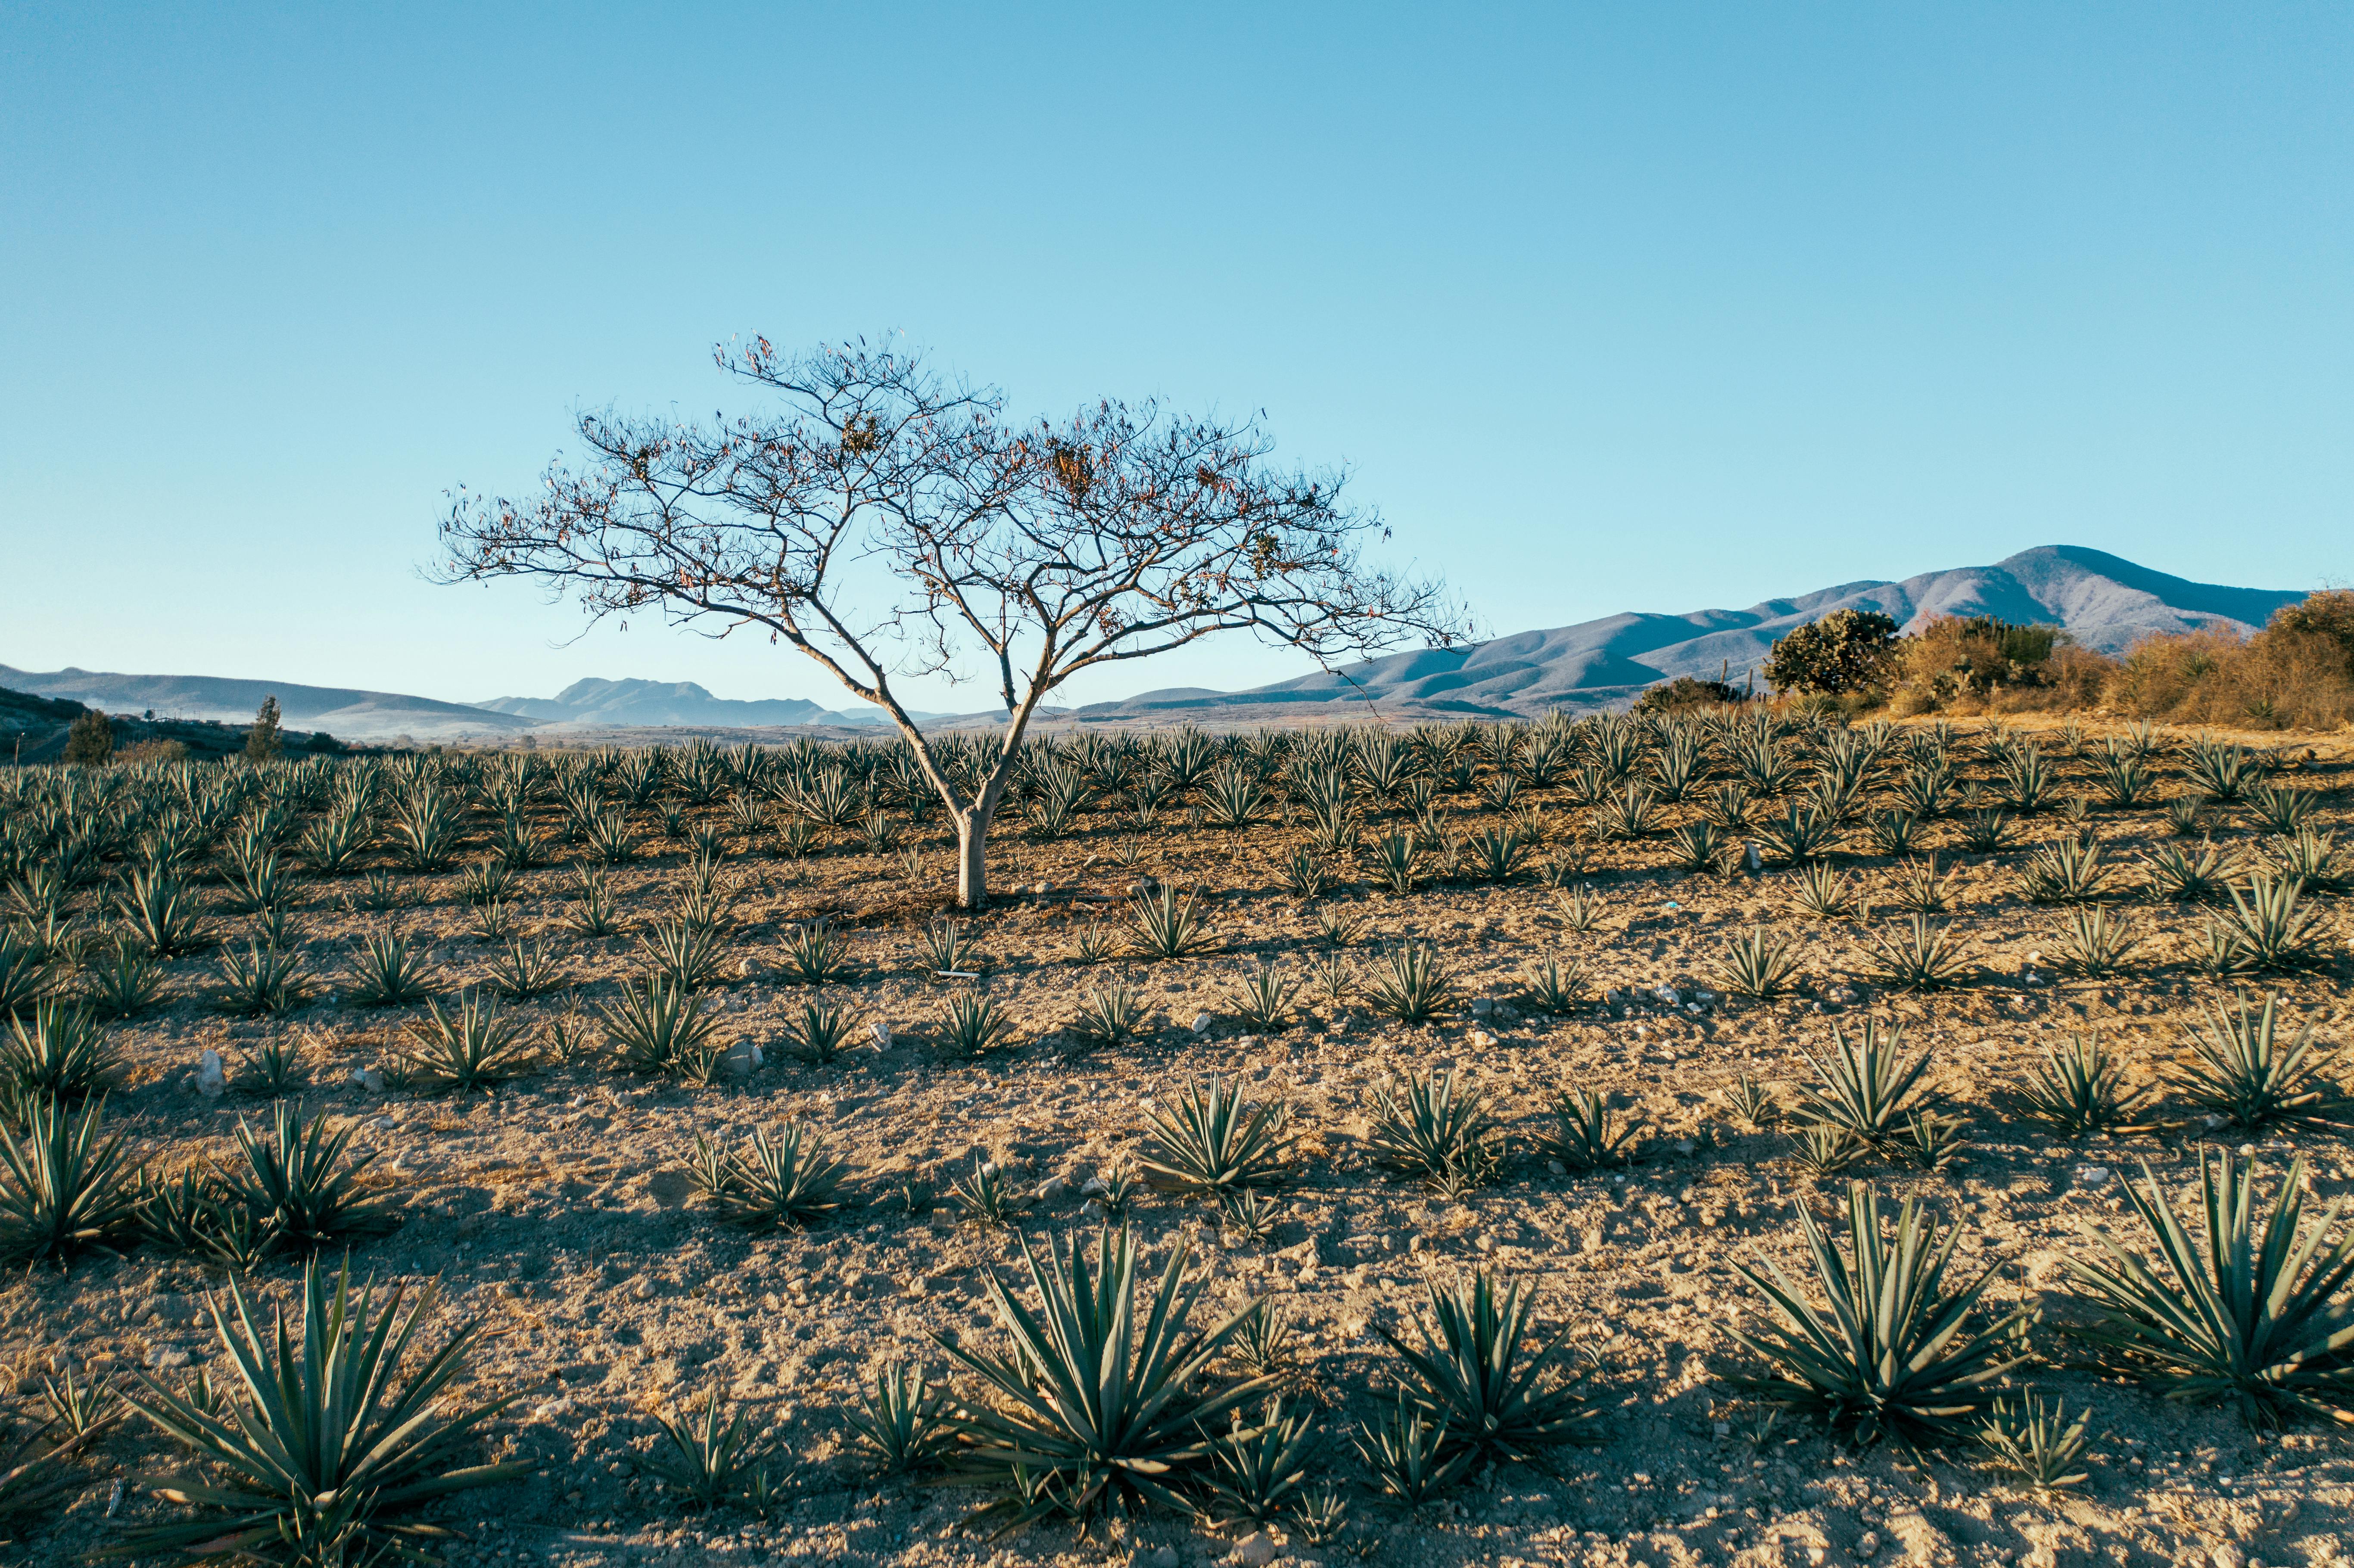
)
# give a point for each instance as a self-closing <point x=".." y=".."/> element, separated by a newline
<point x="890" y="523"/>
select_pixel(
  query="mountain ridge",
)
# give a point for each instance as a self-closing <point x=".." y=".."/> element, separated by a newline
<point x="2103" y="600"/>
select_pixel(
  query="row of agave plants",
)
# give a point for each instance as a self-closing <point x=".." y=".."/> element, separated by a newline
<point x="1106" y="1393"/>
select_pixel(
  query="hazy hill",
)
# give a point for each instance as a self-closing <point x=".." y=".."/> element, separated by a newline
<point x="340" y="711"/>
<point x="2104" y="601"/>
<point x="619" y="704"/>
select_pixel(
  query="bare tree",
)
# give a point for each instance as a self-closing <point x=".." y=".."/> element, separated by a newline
<point x="888" y="523"/>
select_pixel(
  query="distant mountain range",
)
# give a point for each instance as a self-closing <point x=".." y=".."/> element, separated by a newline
<point x="2104" y="601"/>
<point x="343" y="712"/>
<point x="645" y="704"/>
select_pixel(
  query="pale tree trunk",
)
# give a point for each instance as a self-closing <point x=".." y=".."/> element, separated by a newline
<point x="972" y="838"/>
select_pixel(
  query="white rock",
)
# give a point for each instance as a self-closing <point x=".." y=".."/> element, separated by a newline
<point x="643" y="1290"/>
<point x="1052" y="1189"/>
<point x="1201" y="1024"/>
<point x="882" y="1034"/>
<point x="2092" y="1176"/>
<point x="210" y="1080"/>
<point x="1482" y="1006"/>
<point x="1253" y="1550"/>
<point x="1162" y="1557"/>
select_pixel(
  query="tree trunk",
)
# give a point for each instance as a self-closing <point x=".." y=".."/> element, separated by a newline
<point x="972" y="860"/>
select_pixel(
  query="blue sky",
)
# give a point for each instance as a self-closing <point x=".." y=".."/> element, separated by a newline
<point x="1611" y="307"/>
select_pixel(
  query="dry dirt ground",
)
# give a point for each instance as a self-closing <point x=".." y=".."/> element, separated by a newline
<point x="560" y="1209"/>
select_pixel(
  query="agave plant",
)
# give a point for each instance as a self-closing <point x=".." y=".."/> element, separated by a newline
<point x="815" y="954"/>
<point x="2095" y="942"/>
<point x="64" y="1190"/>
<point x="261" y="978"/>
<point x="1916" y="956"/>
<point x="1918" y="887"/>
<point x="2034" y="1439"/>
<point x="819" y="1034"/>
<point x="2230" y="1308"/>
<point x="1213" y="1141"/>
<point x="2068" y="872"/>
<point x="2271" y="928"/>
<point x="1406" y="1453"/>
<point x="1757" y="963"/>
<point x="1100" y="1402"/>
<point x="1165" y="924"/>
<point x="1867" y="1089"/>
<point x="1823" y="893"/>
<point x="1554" y="987"/>
<point x="2243" y="1072"/>
<point x="683" y="955"/>
<point x="985" y="1197"/>
<point x="1889" y="1353"/>
<point x="24" y="972"/>
<point x="160" y="911"/>
<point x="900" y="1420"/>
<point x="473" y="1047"/>
<point x="791" y="1182"/>
<point x="1750" y="1100"/>
<point x="1412" y="984"/>
<point x="975" y="1025"/>
<point x="1585" y="1136"/>
<point x="1395" y="860"/>
<point x="714" y="1458"/>
<point x="2173" y="872"/>
<point x="123" y="983"/>
<point x="1263" y="997"/>
<point x="58" y="1052"/>
<point x="660" y="1028"/>
<point x="336" y="1443"/>
<point x="949" y="949"/>
<point x="298" y="1184"/>
<point x="387" y="972"/>
<point x="1261" y="1462"/>
<point x="1498" y="1397"/>
<point x="1421" y="1126"/>
<point x="593" y="915"/>
<point x="2079" y="1089"/>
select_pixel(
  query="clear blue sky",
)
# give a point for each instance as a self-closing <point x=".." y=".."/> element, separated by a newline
<point x="1611" y="307"/>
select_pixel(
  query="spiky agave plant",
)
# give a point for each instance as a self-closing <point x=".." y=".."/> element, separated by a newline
<point x="1500" y="1395"/>
<point x="901" y="1419"/>
<point x="1757" y="963"/>
<point x="820" y="1032"/>
<point x="684" y="954"/>
<point x="64" y="1189"/>
<point x="2230" y="1308"/>
<point x="816" y="953"/>
<point x="1100" y="1403"/>
<point x="660" y="1028"/>
<point x="1888" y="1355"/>
<point x="2079" y="1088"/>
<point x="790" y="1182"/>
<point x="302" y="1190"/>
<point x="1412" y="984"/>
<point x="1867" y="1088"/>
<point x="1422" y="1127"/>
<point x="55" y="1051"/>
<point x="2241" y="1070"/>
<point x="335" y="1444"/>
<point x="387" y="971"/>
<point x="1406" y="1453"/>
<point x="472" y="1046"/>
<point x="1585" y="1136"/>
<point x="2271" y="928"/>
<point x="1916" y="956"/>
<point x="1260" y="1463"/>
<point x="1110" y="1016"/>
<point x="1554" y="987"/>
<point x="1213" y="1141"/>
<point x="2035" y="1440"/>
<point x="1167" y="925"/>
<point x="123" y="981"/>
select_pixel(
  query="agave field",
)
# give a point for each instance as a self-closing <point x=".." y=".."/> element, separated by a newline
<point x="1638" y="1140"/>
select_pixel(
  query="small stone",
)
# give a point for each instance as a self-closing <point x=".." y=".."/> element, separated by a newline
<point x="211" y="1082"/>
<point x="1482" y="1006"/>
<point x="1556" y="1167"/>
<point x="1253" y="1550"/>
<point x="1052" y="1189"/>
<point x="881" y="1031"/>
<point x="1042" y="889"/>
<point x="643" y="1290"/>
<point x="1201" y="1024"/>
<point x="1162" y="1557"/>
<point x="2226" y="1556"/>
<point x="2092" y="1176"/>
<point x="749" y="969"/>
<point x="1755" y="861"/>
<point x="369" y="1078"/>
